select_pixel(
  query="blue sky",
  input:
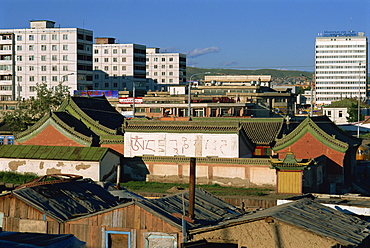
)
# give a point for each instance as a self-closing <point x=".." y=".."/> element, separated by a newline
<point x="245" y="34"/>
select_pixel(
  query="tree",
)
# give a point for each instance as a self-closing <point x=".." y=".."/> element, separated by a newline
<point x="353" y="113"/>
<point x="30" y="111"/>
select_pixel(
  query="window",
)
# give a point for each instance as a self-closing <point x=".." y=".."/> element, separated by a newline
<point x="30" y="47"/>
<point x="19" y="58"/>
<point x="123" y="59"/>
<point x="65" y="57"/>
<point x="31" y="37"/>
<point x="19" y="37"/>
<point x="106" y="59"/>
<point x="19" y="78"/>
<point x="163" y="66"/>
<point x="106" y="68"/>
<point x="155" y="60"/>
<point x="163" y="80"/>
<point x="43" y="48"/>
<point x="171" y="66"/>
<point x="54" y="68"/>
<point x="155" y="66"/>
<point x="171" y="73"/>
<point x="114" y="59"/>
<point x="10" y="140"/>
<point x="43" y="37"/>
<point x="96" y="51"/>
<point x="96" y="60"/>
<point x="19" y="68"/>
<point x="171" y="80"/>
<point x="115" y="85"/>
<point x="43" y="57"/>
<point x="163" y="59"/>
<point x="32" y="78"/>
<point x="65" y="36"/>
<point x="96" y="68"/>
<point x="123" y="68"/>
<point x="105" y="51"/>
<point x="54" y="57"/>
<point x="106" y="85"/>
<point x="32" y="88"/>
<point x="54" y="47"/>
<point x="155" y="73"/>
<point x="114" y="68"/>
<point x="54" y="37"/>
<point x="32" y="68"/>
<point x="114" y="51"/>
<point x="170" y="59"/>
<point x="163" y="73"/>
<point x="123" y="50"/>
<point x="19" y="48"/>
<point x="54" y="78"/>
<point x="96" y="76"/>
<point x="65" y="47"/>
<point x="31" y="58"/>
<point x="43" y="78"/>
<point x="340" y="114"/>
<point x="65" y="67"/>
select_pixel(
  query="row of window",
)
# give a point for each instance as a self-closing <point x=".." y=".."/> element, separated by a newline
<point x="42" y="58"/>
<point x="340" y="67"/>
<point x="341" y="82"/>
<point x="336" y="93"/>
<point x="339" y="88"/>
<point x="341" y="51"/>
<point x="340" y="72"/>
<point x="339" y="57"/>
<point x="43" y="47"/>
<point x="339" y="46"/>
<point x="106" y="60"/>
<point x="163" y="73"/>
<point x="114" y="51"/>
<point x="339" y="77"/>
<point x="106" y="76"/>
<point x="157" y="59"/>
<point x="43" y="37"/>
<point x="43" y="68"/>
<point x="341" y="62"/>
<point x="43" y="78"/>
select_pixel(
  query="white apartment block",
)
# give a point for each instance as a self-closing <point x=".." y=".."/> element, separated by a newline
<point x="341" y="66"/>
<point x="165" y="68"/>
<point x="44" y="54"/>
<point x="119" y="66"/>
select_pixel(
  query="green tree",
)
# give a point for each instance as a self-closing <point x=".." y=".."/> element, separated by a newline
<point x="353" y="113"/>
<point x="30" y="111"/>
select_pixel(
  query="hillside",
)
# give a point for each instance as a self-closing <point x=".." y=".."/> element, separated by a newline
<point x="274" y="73"/>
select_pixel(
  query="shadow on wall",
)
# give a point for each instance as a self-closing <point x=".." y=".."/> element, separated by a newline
<point x="134" y="169"/>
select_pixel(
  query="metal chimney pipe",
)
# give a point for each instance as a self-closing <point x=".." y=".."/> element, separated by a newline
<point x="192" y="188"/>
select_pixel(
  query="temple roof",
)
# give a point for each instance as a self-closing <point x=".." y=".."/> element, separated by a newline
<point x="322" y="129"/>
<point x="96" y="113"/>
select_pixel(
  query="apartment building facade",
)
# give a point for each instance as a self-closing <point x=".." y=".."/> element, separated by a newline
<point x="119" y="66"/>
<point x="341" y="66"/>
<point x="46" y="54"/>
<point x="165" y="68"/>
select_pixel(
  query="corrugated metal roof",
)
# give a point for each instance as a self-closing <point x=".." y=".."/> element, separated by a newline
<point x="53" y="152"/>
<point x="314" y="217"/>
<point x="208" y="209"/>
<point x="67" y="200"/>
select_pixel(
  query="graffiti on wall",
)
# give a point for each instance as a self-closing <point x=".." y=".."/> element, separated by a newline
<point x="180" y="144"/>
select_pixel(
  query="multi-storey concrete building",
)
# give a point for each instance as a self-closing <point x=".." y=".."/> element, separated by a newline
<point x="341" y="66"/>
<point x="119" y="66"/>
<point x="165" y="68"/>
<point x="46" y="54"/>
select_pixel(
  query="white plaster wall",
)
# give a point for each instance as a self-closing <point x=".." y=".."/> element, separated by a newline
<point x="229" y="172"/>
<point x="200" y="171"/>
<point x="262" y="175"/>
<point x="183" y="144"/>
<point x="87" y="169"/>
<point x="165" y="170"/>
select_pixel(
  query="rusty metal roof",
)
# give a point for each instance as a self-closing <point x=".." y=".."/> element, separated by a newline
<point x="67" y="200"/>
<point x="54" y="152"/>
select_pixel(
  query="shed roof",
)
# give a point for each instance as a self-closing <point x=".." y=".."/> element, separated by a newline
<point x="67" y="200"/>
<point x="306" y="214"/>
<point x="54" y="152"/>
<point x="208" y="209"/>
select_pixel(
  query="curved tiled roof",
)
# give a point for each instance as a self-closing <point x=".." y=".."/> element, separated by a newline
<point x="95" y="112"/>
<point x="324" y="130"/>
<point x="262" y="133"/>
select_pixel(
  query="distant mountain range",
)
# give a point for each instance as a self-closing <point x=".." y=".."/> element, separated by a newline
<point x="274" y="73"/>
